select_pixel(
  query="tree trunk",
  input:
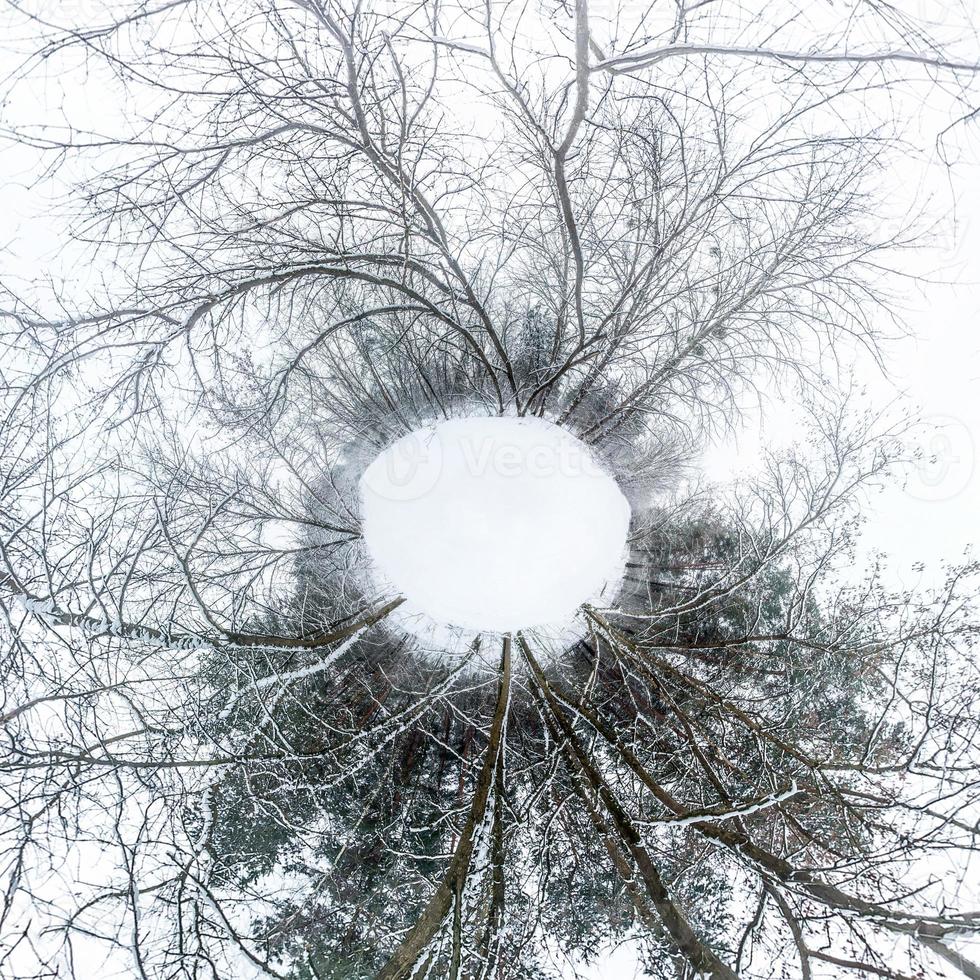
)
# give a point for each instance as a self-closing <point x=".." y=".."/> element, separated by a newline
<point x="420" y="935"/>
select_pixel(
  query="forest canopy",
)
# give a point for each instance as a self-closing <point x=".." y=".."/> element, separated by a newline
<point x="297" y="231"/>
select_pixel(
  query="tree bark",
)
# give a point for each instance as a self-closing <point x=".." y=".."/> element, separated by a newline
<point x="703" y="959"/>
<point x="420" y="935"/>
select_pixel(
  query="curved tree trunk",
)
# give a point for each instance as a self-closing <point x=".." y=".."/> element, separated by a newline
<point x="926" y="930"/>
<point x="703" y="959"/>
<point x="421" y="934"/>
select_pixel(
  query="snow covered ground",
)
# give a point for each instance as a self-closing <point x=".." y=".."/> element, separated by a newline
<point x="493" y="524"/>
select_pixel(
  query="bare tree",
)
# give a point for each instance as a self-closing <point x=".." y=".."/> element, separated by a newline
<point x="325" y="226"/>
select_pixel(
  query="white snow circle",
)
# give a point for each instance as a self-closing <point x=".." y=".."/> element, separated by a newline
<point x="493" y="524"/>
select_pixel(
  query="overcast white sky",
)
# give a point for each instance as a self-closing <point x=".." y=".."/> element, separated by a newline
<point x="935" y="368"/>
